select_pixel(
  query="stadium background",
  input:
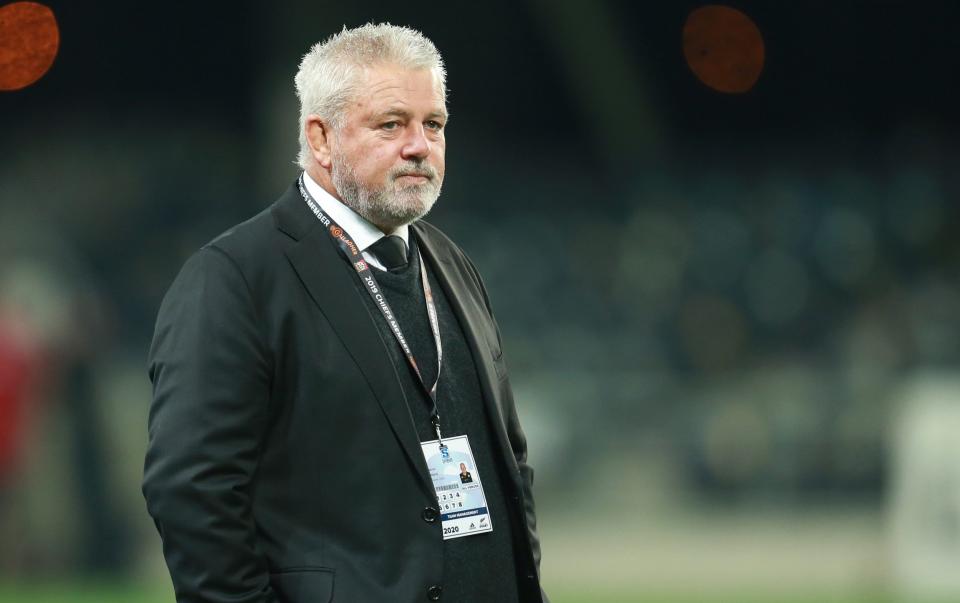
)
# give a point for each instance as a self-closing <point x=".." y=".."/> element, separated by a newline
<point x="734" y="340"/>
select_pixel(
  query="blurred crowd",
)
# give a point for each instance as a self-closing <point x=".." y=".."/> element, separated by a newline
<point x="753" y="326"/>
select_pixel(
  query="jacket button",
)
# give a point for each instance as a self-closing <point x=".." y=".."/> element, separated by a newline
<point x="430" y="515"/>
<point x="433" y="593"/>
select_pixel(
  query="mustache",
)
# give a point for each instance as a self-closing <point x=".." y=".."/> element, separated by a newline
<point x="413" y="169"/>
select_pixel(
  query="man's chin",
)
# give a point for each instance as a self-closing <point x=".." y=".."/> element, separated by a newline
<point x="390" y="216"/>
<point x="412" y="213"/>
<point x="415" y="201"/>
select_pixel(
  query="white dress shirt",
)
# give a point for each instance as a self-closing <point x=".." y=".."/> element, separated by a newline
<point x="363" y="233"/>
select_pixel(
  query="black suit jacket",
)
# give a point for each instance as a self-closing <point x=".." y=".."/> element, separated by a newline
<point x="283" y="462"/>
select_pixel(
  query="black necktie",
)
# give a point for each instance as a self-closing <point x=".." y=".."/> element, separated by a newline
<point x="391" y="251"/>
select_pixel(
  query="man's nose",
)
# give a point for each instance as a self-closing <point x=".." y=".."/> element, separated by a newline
<point x="416" y="146"/>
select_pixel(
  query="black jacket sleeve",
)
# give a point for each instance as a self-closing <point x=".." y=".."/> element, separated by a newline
<point x="211" y="380"/>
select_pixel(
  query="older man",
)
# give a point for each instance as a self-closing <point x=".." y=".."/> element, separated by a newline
<point x="322" y="370"/>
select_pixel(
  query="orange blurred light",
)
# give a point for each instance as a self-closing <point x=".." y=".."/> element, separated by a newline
<point x="723" y="48"/>
<point x="29" y="40"/>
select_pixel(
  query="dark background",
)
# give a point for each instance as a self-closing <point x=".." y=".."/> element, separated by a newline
<point x="726" y="299"/>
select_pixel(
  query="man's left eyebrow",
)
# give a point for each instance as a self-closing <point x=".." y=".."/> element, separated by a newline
<point x="397" y="112"/>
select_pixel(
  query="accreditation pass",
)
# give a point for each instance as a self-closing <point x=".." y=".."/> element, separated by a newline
<point x="463" y="506"/>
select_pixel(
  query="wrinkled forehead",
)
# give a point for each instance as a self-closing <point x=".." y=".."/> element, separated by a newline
<point x="389" y="83"/>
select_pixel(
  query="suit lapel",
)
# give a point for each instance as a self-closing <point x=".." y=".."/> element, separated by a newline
<point x="470" y="313"/>
<point x="328" y="279"/>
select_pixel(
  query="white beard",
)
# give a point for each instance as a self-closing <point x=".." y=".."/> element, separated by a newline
<point x="392" y="205"/>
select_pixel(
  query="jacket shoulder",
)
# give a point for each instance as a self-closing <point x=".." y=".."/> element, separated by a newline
<point x="260" y="240"/>
<point x="249" y="250"/>
<point x="249" y="239"/>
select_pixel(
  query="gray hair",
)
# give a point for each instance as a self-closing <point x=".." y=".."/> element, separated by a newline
<point x="329" y="74"/>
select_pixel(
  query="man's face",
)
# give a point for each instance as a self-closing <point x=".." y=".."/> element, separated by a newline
<point x="388" y="158"/>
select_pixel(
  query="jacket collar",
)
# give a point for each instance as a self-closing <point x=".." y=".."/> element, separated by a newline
<point x="291" y="214"/>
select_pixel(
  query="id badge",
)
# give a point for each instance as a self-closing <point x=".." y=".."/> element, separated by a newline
<point x="463" y="506"/>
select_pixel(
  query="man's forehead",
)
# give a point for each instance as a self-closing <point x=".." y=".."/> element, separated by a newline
<point x="390" y="87"/>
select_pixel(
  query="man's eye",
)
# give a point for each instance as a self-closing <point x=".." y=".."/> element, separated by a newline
<point x="434" y="125"/>
<point x="390" y="125"/>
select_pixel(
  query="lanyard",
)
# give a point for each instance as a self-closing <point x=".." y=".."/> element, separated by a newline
<point x="352" y="251"/>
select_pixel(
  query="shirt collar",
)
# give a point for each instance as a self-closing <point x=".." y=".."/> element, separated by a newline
<point x="363" y="233"/>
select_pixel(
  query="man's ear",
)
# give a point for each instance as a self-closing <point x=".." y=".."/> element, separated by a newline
<point x="318" y="137"/>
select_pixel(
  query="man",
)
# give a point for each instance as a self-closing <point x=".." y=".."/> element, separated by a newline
<point x="465" y="477"/>
<point x="316" y="382"/>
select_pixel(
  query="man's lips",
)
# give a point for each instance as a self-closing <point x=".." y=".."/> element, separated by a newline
<point x="414" y="175"/>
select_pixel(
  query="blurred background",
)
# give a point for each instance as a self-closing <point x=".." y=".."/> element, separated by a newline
<point x="735" y="343"/>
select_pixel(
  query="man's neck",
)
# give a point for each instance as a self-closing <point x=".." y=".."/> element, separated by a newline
<point x="322" y="178"/>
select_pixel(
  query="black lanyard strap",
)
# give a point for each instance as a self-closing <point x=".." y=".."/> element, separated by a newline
<point x="353" y="253"/>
